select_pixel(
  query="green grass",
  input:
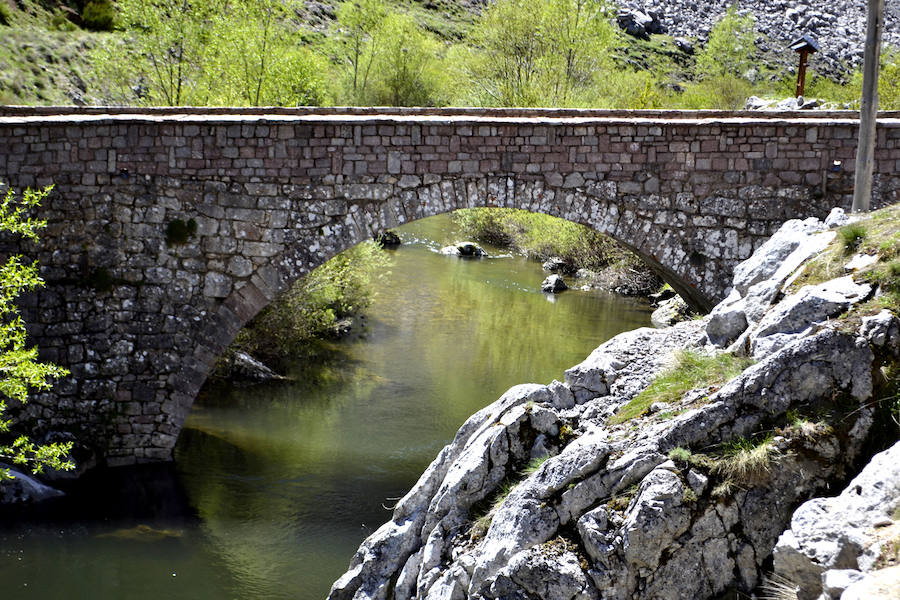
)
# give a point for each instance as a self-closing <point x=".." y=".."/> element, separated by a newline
<point x="746" y="461"/>
<point x="878" y="234"/>
<point x="690" y="371"/>
<point x="38" y="66"/>
<point x="680" y="455"/>
<point x="852" y="236"/>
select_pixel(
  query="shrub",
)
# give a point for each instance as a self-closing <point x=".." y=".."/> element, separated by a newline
<point x="730" y="48"/>
<point x="99" y="15"/>
<point x="720" y="92"/>
<point x="852" y="236"/>
<point x="179" y="232"/>
<point x="5" y="13"/>
<point x="540" y="236"/>
<point x="680" y="455"/>
<point x="746" y="461"/>
<point x="312" y="307"/>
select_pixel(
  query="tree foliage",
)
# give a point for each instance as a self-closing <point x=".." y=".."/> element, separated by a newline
<point x="234" y="52"/>
<point x="313" y="306"/>
<point x="731" y="45"/>
<point x="358" y="41"/>
<point x="524" y="53"/>
<point x="20" y="370"/>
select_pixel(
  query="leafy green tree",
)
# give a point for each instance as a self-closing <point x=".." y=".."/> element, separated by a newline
<point x="526" y="53"/>
<point x="358" y="41"/>
<point x="579" y="35"/>
<point x="731" y="45"/>
<point x="257" y="57"/>
<point x="20" y="370"/>
<point x="888" y="80"/>
<point x="163" y="59"/>
<point x="407" y="70"/>
<point x="221" y="52"/>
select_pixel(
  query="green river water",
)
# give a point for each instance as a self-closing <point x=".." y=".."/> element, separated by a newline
<point x="274" y="487"/>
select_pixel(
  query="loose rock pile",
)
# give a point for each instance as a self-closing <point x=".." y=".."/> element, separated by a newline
<point x="838" y="25"/>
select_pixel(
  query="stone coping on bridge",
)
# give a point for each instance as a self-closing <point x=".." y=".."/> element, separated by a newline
<point x="426" y="119"/>
<point x="419" y="113"/>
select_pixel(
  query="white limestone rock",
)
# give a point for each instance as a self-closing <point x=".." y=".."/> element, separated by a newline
<point x="836" y="533"/>
<point x="770" y="257"/>
<point x="799" y="314"/>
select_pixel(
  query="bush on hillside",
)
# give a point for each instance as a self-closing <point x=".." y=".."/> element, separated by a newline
<point x="99" y="15"/>
<point x="5" y="13"/>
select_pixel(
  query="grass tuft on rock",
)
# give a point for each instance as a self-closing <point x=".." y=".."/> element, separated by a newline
<point x="876" y="234"/>
<point x="852" y="236"/>
<point x="746" y="461"/>
<point x="691" y="370"/>
<point x="482" y="523"/>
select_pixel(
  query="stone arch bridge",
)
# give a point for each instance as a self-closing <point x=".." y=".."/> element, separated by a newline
<point x="139" y="318"/>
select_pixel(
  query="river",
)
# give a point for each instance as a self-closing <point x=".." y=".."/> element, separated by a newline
<point x="274" y="486"/>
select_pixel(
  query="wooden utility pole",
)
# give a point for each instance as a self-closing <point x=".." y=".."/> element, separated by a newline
<point x="868" y="109"/>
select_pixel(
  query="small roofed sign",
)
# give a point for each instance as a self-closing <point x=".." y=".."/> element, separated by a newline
<point x="805" y="46"/>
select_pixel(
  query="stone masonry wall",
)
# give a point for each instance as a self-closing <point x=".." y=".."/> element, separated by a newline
<point x="139" y="321"/>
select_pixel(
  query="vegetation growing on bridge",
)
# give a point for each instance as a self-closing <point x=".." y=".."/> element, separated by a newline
<point x="21" y="371"/>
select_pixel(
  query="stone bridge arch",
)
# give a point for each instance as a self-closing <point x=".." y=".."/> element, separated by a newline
<point x="139" y="313"/>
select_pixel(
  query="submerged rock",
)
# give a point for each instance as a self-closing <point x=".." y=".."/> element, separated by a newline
<point x="387" y="239"/>
<point x="240" y="366"/>
<point x="554" y="284"/>
<point x="464" y="249"/>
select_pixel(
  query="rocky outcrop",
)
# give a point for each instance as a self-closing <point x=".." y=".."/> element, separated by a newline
<point x="833" y="542"/>
<point x="685" y="500"/>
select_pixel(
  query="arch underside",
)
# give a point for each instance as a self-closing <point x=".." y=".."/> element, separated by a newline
<point x="696" y="261"/>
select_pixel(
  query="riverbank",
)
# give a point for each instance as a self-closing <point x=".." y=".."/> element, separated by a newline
<point x="644" y="495"/>
<point x="590" y="259"/>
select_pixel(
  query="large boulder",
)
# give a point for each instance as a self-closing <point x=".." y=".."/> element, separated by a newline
<point x="671" y="311"/>
<point x="25" y="489"/>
